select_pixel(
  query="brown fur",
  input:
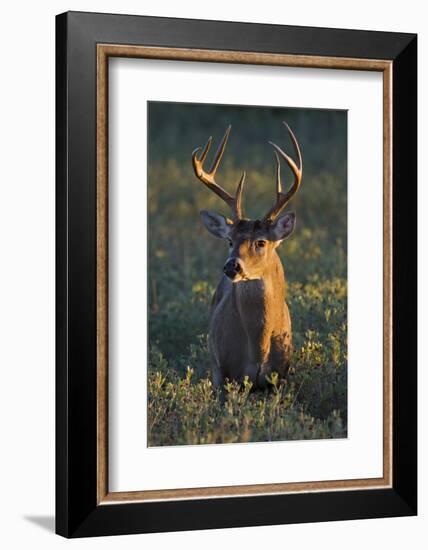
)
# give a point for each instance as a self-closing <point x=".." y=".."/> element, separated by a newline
<point x="250" y="326"/>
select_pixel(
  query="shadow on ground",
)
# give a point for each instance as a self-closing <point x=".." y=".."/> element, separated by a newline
<point x="45" y="522"/>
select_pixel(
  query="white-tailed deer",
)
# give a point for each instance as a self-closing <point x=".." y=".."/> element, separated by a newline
<point x="250" y="326"/>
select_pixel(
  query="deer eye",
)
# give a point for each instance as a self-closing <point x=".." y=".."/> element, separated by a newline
<point x="260" y="244"/>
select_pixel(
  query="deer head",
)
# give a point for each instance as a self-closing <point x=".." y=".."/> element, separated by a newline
<point x="252" y="242"/>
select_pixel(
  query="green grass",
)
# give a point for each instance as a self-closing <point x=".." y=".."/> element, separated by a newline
<point x="185" y="265"/>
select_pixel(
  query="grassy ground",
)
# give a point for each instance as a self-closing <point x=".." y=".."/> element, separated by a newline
<point x="185" y="265"/>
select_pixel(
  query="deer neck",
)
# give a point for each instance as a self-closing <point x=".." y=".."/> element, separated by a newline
<point x="260" y="302"/>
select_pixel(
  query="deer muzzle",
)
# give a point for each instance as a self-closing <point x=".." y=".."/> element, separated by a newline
<point x="232" y="268"/>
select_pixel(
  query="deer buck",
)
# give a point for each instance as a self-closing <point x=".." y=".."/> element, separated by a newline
<point x="250" y="325"/>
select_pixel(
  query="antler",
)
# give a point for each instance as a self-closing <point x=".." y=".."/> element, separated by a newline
<point x="282" y="199"/>
<point x="208" y="178"/>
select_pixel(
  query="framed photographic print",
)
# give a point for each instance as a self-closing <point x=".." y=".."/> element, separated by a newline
<point x="236" y="274"/>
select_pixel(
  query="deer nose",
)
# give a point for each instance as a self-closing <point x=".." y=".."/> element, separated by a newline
<point x="232" y="267"/>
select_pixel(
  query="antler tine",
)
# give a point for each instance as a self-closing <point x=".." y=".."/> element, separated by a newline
<point x="205" y="151"/>
<point x="278" y="174"/>
<point x="282" y="199"/>
<point x="219" y="153"/>
<point x="208" y="178"/>
<point x="295" y="144"/>
<point x="238" y="198"/>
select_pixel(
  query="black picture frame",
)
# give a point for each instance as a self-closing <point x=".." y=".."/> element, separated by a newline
<point x="77" y="511"/>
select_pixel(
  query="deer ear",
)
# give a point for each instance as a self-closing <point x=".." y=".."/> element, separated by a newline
<point x="216" y="224"/>
<point x="283" y="226"/>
